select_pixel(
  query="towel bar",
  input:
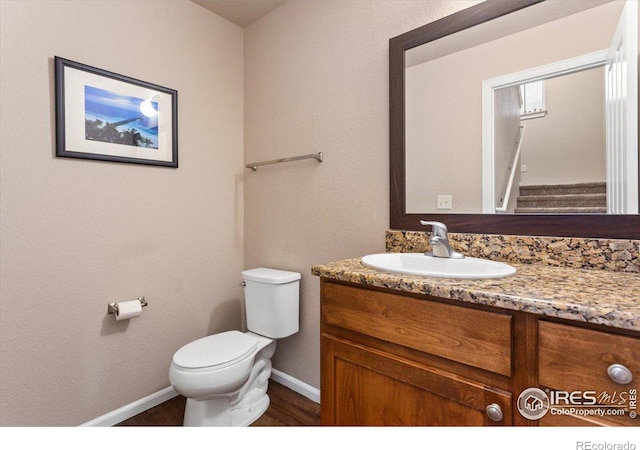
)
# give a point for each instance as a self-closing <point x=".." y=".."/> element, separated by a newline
<point x="254" y="166"/>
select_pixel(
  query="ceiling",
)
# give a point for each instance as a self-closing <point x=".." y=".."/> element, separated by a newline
<point x="240" y="12"/>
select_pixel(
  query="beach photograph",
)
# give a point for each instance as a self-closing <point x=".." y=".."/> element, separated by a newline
<point x="120" y="119"/>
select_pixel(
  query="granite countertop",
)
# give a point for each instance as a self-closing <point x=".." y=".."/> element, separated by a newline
<point x="584" y="295"/>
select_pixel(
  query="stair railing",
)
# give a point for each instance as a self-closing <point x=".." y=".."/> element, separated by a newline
<point x="512" y="174"/>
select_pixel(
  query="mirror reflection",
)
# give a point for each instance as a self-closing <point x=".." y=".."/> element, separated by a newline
<point x="535" y="120"/>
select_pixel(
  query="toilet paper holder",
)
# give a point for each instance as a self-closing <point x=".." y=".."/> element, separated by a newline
<point x="112" y="308"/>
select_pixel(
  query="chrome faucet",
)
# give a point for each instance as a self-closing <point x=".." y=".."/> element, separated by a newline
<point x="440" y="245"/>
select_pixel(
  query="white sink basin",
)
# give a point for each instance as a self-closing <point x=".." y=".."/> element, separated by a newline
<point x="429" y="266"/>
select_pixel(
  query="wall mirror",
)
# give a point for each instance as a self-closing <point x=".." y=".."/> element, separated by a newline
<point x="505" y="100"/>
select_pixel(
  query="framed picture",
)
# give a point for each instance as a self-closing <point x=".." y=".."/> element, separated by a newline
<point x="109" y="117"/>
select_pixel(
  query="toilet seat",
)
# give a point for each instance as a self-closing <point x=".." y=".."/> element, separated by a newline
<point x="215" y="351"/>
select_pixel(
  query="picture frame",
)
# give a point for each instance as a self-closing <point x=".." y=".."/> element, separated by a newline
<point x="102" y="115"/>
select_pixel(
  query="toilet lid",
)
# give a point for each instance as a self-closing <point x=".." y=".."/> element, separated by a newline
<point x="215" y="350"/>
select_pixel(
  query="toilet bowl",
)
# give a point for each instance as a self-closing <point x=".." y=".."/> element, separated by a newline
<point x="225" y="376"/>
<point x="212" y="372"/>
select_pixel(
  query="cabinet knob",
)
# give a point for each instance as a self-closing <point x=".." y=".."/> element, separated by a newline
<point x="619" y="374"/>
<point x="494" y="412"/>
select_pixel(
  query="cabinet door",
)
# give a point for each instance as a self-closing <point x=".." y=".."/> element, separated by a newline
<point x="363" y="386"/>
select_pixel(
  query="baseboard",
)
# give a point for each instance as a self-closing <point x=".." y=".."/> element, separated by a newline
<point x="148" y="402"/>
<point x="296" y="385"/>
<point x="132" y="409"/>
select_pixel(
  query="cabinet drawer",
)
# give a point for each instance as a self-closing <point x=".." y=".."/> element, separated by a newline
<point x="477" y="338"/>
<point x="576" y="359"/>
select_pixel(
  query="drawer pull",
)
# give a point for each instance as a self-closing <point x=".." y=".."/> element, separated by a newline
<point x="619" y="374"/>
<point x="494" y="412"/>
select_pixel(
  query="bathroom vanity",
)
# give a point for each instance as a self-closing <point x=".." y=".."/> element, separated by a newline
<point x="409" y="350"/>
<point x="400" y="349"/>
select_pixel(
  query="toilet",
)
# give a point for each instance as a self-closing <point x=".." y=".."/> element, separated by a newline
<point x="225" y="376"/>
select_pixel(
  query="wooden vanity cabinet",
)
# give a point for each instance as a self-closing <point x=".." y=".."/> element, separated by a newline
<point x="390" y="358"/>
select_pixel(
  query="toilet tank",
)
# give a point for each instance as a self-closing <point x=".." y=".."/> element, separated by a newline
<point x="272" y="302"/>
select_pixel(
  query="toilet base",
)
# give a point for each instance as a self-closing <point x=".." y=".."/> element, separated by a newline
<point x="218" y="413"/>
<point x="214" y="412"/>
<point x="243" y="417"/>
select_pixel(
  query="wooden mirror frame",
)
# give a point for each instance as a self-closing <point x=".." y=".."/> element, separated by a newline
<point x="579" y="225"/>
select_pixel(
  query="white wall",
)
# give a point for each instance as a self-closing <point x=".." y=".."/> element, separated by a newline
<point x="79" y="234"/>
<point x="317" y="80"/>
<point x="568" y="145"/>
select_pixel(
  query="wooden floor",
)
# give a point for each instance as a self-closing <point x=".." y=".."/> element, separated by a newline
<point x="287" y="408"/>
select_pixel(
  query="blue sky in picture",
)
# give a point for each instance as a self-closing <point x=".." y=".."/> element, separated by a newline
<point x="112" y="107"/>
